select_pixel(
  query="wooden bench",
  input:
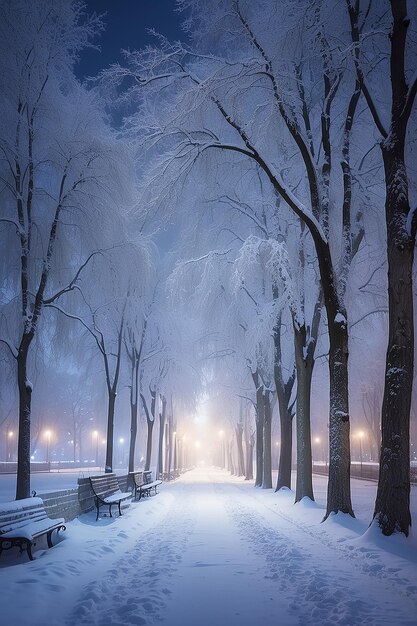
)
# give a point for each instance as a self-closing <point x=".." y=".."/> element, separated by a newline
<point x="139" y="485"/>
<point x="107" y="492"/>
<point x="153" y="484"/>
<point x="143" y="483"/>
<point x="23" y="521"/>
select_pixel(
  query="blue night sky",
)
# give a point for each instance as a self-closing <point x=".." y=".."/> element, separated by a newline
<point x="127" y="24"/>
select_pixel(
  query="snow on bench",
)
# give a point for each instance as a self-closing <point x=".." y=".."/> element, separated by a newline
<point x="107" y="492"/>
<point x="143" y="483"/>
<point x="149" y="482"/>
<point x="23" y="521"/>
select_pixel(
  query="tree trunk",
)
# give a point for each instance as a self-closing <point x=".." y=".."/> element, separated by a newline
<point x="170" y="443"/>
<point x="267" y="463"/>
<point x="392" y="506"/>
<point x="338" y="490"/>
<point x="149" y="424"/>
<point x="239" y="444"/>
<point x="133" y="434"/>
<point x="25" y="401"/>
<point x="260" y="414"/>
<point x="304" y="483"/>
<point x="249" y="444"/>
<point x="110" y="431"/>
<point x="285" y="456"/>
<point x="284" y="392"/>
<point x="160" y="464"/>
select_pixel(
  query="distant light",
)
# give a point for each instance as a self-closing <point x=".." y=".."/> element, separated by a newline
<point x="11" y="433"/>
<point x="121" y="440"/>
<point x="317" y="439"/>
<point x="197" y="444"/>
<point x="361" y="434"/>
<point x="221" y="432"/>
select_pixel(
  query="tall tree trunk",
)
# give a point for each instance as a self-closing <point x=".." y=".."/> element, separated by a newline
<point x="392" y="506"/>
<point x="249" y="445"/>
<point x="133" y="434"/>
<point x="239" y="444"/>
<point x="160" y="464"/>
<point x="304" y="483"/>
<point x="170" y="442"/>
<point x="285" y="454"/>
<point x="284" y="392"/>
<point x="338" y="490"/>
<point x="267" y="443"/>
<point x="260" y="414"/>
<point x="150" y="420"/>
<point x="149" y="424"/>
<point x="25" y="401"/>
<point x="110" y="431"/>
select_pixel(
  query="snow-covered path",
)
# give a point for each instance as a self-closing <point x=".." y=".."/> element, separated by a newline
<point x="212" y="550"/>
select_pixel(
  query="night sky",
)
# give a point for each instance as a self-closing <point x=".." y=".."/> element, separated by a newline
<point x="127" y="24"/>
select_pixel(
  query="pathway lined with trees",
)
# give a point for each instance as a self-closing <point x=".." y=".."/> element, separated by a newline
<point x="239" y="250"/>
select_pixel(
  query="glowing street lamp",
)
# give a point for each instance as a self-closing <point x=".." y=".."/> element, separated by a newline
<point x="122" y="441"/>
<point x="10" y="435"/>
<point x="317" y="440"/>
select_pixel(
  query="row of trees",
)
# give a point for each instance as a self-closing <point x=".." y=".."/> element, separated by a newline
<point x="264" y="150"/>
<point x="316" y="103"/>
<point x="75" y="288"/>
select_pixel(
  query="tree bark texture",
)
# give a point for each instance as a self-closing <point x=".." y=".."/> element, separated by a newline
<point x="338" y="490"/>
<point x="392" y="506"/>
<point x="267" y="436"/>
<point x="110" y="432"/>
<point x="239" y="444"/>
<point x="133" y="434"/>
<point x="160" y="465"/>
<point x="304" y="483"/>
<point x="260" y="413"/>
<point x="25" y="401"/>
<point x="284" y="392"/>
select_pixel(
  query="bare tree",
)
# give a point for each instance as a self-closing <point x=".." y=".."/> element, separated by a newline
<point x="392" y="506"/>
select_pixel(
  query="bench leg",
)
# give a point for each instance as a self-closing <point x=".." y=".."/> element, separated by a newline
<point x="29" y="550"/>
<point x="110" y="510"/>
<point x="98" y="508"/>
<point x="120" y="510"/>
<point x="49" y="534"/>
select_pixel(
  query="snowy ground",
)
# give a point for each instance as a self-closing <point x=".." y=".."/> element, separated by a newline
<point x="210" y="550"/>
